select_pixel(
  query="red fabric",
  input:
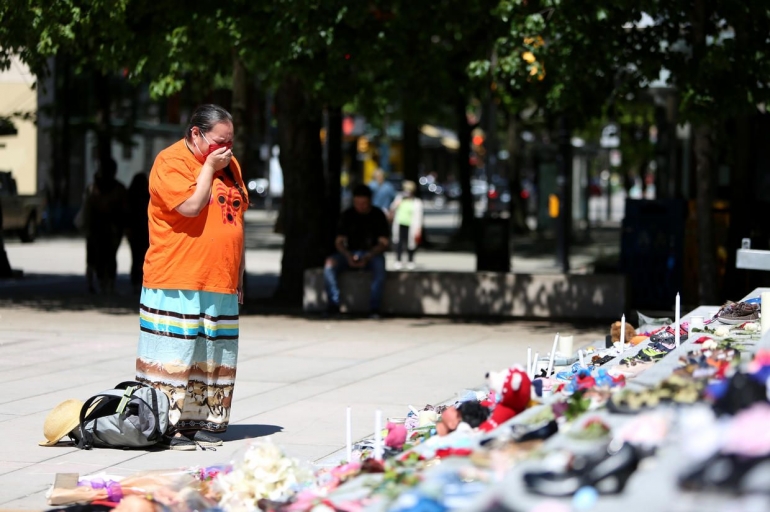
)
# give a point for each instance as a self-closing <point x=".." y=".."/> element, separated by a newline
<point x="513" y="401"/>
<point x="453" y="452"/>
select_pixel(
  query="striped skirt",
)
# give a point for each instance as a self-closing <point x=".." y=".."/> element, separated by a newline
<point x="188" y="347"/>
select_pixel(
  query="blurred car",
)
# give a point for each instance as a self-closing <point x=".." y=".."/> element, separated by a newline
<point x="258" y="188"/>
<point x="498" y="197"/>
<point x="479" y="189"/>
<point x="452" y="191"/>
<point x="430" y="190"/>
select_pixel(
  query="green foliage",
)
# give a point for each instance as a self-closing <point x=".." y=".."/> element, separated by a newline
<point x="94" y="31"/>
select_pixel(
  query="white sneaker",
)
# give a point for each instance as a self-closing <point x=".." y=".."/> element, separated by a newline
<point x="397" y="265"/>
<point x="410" y="266"/>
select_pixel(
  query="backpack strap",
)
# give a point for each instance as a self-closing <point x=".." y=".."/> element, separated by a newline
<point x="135" y="384"/>
<point x="102" y="401"/>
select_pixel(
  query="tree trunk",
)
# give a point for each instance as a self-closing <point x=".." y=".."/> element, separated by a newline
<point x="707" y="265"/>
<point x="564" y="188"/>
<point x="240" y="113"/>
<point x="411" y="151"/>
<point x="304" y="202"/>
<point x="464" y="170"/>
<point x="62" y="144"/>
<point x="516" y="206"/>
<point x="333" y="173"/>
<point x="741" y="202"/>
<point x="103" y="115"/>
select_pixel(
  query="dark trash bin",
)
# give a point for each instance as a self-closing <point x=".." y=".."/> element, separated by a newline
<point x="493" y="252"/>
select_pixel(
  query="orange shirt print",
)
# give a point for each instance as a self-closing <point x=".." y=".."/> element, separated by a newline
<point x="229" y="200"/>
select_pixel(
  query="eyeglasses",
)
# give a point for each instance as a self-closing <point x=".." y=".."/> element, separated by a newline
<point x="214" y="147"/>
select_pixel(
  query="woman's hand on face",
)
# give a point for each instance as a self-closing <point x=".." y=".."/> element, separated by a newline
<point x="220" y="158"/>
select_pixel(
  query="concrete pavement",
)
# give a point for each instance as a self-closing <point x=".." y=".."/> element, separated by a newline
<point x="295" y="376"/>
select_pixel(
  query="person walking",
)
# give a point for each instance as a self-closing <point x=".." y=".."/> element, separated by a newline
<point x="407" y="214"/>
<point x="362" y="238"/>
<point x="193" y="279"/>
<point x="104" y="217"/>
<point x="137" y="229"/>
<point x="383" y="192"/>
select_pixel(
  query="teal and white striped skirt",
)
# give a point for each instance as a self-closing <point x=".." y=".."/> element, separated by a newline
<point x="188" y="347"/>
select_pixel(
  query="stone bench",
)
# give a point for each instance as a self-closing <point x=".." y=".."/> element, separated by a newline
<point x="477" y="294"/>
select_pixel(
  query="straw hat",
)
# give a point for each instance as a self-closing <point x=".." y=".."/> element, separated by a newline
<point x="62" y="420"/>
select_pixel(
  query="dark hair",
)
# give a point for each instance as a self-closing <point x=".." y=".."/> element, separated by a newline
<point x="362" y="190"/>
<point x="473" y="413"/>
<point x="205" y="117"/>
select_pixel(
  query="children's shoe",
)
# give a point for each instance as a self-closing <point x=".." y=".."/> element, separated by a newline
<point x="667" y="334"/>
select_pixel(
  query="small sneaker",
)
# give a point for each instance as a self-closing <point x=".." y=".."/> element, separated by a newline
<point x="397" y="265"/>
<point x="204" y="439"/>
<point x="410" y="266"/>
<point x="179" y="443"/>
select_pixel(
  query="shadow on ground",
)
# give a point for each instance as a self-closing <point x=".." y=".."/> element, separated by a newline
<point x="69" y="292"/>
<point x="239" y="432"/>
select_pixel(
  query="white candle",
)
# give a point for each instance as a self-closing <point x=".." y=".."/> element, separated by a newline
<point x="622" y="333"/>
<point x="535" y="365"/>
<point x="378" y="435"/>
<point x="529" y="361"/>
<point x="582" y="361"/>
<point x="553" y="354"/>
<point x="676" y="322"/>
<point x="348" y="436"/>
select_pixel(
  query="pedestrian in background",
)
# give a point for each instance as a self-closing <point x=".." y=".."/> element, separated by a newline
<point x="407" y="212"/>
<point x="193" y="279"/>
<point x="362" y="238"/>
<point x="383" y="192"/>
<point x="137" y="229"/>
<point x="103" y="221"/>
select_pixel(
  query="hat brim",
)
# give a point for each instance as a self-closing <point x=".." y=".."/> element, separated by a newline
<point x="49" y="443"/>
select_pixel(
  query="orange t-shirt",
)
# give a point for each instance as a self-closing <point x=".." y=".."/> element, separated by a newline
<point x="200" y="253"/>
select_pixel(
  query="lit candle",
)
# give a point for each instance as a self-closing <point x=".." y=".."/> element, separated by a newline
<point x="553" y="354"/>
<point x="529" y="361"/>
<point x="622" y="333"/>
<point x="676" y="323"/>
<point x="378" y="435"/>
<point x="582" y="361"/>
<point x="348" y="436"/>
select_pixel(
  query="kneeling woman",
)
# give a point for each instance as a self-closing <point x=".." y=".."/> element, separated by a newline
<point x="193" y="279"/>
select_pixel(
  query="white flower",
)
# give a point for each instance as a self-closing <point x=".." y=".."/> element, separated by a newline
<point x="722" y="331"/>
<point x="751" y="327"/>
<point x="264" y="472"/>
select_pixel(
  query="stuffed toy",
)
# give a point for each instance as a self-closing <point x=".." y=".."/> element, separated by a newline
<point x="512" y="389"/>
<point x="615" y="332"/>
<point x="396" y="436"/>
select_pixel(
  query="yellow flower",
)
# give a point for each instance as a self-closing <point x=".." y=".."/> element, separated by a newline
<point x="529" y="57"/>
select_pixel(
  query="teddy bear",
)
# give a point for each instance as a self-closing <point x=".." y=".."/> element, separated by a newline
<point x="512" y="388"/>
<point x="615" y="332"/>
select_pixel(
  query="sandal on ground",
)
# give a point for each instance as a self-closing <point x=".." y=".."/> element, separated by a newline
<point x="179" y="442"/>
<point x="203" y="438"/>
